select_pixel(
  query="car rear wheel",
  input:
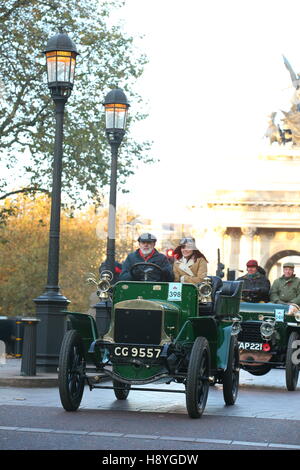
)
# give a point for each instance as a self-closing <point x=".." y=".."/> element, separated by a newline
<point x="291" y="368"/>
<point x="197" y="382"/>
<point x="121" y="390"/>
<point x="71" y="375"/>
<point x="231" y="375"/>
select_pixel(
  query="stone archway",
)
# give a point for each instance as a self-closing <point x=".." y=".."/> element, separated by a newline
<point x="262" y="225"/>
<point x="281" y="254"/>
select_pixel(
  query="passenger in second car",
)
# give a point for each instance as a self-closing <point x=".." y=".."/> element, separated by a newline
<point x="256" y="286"/>
<point x="190" y="264"/>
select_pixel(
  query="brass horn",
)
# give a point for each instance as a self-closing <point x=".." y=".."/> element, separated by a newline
<point x="91" y="279"/>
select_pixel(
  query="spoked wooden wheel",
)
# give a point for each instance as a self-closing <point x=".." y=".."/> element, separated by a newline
<point x="291" y="363"/>
<point x="231" y="375"/>
<point x="121" y="390"/>
<point x="71" y="371"/>
<point x="197" y="382"/>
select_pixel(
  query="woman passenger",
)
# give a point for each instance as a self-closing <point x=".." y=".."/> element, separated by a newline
<point x="190" y="264"/>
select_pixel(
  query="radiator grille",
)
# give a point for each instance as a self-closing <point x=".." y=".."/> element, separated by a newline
<point x="138" y="326"/>
<point x="250" y="332"/>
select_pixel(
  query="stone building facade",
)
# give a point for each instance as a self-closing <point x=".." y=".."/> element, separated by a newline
<point x="261" y="225"/>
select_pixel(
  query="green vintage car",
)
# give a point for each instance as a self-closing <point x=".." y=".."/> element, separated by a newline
<point x="155" y="332"/>
<point x="270" y="338"/>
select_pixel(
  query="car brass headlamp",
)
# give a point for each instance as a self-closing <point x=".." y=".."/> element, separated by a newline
<point x="297" y="316"/>
<point x="104" y="284"/>
<point x="205" y="290"/>
<point x="236" y="328"/>
<point x="267" y="328"/>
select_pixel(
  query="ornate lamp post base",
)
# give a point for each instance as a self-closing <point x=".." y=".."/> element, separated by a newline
<point x="51" y="311"/>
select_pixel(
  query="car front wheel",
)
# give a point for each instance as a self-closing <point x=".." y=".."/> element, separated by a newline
<point x="197" y="382"/>
<point x="71" y="371"/>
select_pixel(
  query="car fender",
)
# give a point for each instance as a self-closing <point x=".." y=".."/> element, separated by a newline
<point x="205" y="326"/>
<point x="223" y="346"/>
<point x="86" y="326"/>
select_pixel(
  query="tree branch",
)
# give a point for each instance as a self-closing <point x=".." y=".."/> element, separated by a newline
<point x="32" y="189"/>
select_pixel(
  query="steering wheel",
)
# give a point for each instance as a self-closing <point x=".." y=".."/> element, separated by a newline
<point x="137" y="270"/>
<point x="250" y="295"/>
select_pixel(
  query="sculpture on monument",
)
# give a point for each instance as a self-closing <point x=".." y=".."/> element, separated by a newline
<point x="274" y="133"/>
<point x="289" y="131"/>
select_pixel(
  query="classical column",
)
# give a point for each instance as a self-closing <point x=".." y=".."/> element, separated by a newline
<point x="247" y="245"/>
<point x="235" y="249"/>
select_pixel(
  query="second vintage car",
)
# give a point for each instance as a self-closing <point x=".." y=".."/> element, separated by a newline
<point x="270" y="338"/>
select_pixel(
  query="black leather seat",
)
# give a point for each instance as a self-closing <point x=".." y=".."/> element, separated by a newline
<point x="230" y="290"/>
<point x="217" y="285"/>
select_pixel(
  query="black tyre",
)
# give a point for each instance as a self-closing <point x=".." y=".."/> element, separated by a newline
<point x="71" y="371"/>
<point x="121" y="390"/>
<point x="197" y="382"/>
<point x="291" y="368"/>
<point x="231" y="375"/>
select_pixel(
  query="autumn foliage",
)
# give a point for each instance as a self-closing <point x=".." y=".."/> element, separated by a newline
<point x="24" y="253"/>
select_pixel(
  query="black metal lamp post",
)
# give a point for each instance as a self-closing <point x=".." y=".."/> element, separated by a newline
<point x="61" y="59"/>
<point x="116" y="107"/>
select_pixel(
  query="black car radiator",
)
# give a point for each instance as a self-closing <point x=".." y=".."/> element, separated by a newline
<point x="138" y="326"/>
<point x="250" y="332"/>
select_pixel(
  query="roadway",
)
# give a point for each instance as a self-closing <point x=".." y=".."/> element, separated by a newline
<point x="265" y="417"/>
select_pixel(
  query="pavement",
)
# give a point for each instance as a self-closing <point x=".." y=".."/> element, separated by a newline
<point x="10" y="376"/>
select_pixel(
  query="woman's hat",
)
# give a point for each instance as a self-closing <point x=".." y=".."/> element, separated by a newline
<point x="189" y="242"/>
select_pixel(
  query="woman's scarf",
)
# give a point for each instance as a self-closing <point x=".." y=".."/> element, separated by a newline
<point x="184" y="265"/>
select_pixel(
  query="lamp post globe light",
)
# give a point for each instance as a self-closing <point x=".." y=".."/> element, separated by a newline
<point x="61" y="60"/>
<point x="116" y="108"/>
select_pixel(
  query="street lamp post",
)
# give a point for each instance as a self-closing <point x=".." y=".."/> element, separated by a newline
<point x="61" y="59"/>
<point x="116" y="108"/>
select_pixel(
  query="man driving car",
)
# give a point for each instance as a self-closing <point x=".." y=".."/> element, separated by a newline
<point x="140" y="265"/>
<point x="256" y="286"/>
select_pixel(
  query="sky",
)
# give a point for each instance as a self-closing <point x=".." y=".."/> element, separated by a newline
<point x="215" y="74"/>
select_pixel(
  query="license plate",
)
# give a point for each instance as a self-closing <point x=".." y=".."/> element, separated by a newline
<point x="250" y="346"/>
<point x="146" y="352"/>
